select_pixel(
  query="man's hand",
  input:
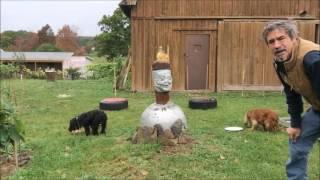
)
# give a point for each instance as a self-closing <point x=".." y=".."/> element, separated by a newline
<point x="293" y="133"/>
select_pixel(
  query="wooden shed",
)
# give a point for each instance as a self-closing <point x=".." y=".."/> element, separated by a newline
<point x="214" y="45"/>
<point x="35" y="60"/>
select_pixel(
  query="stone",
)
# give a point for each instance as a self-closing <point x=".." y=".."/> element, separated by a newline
<point x="144" y="135"/>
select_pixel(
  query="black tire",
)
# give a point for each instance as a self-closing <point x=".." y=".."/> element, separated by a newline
<point x="114" y="104"/>
<point x="203" y="103"/>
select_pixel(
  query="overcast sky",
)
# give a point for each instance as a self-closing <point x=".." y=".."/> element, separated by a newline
<point x="32" y="15"/>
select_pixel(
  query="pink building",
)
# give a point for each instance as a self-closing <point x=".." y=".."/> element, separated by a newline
<point x="80" y="62"/>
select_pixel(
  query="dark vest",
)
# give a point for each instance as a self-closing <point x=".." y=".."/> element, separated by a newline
<point x="295" y="73"/>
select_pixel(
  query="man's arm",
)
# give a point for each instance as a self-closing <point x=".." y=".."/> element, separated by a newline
<point x="311" y="62"/>
<point x="295" y="104"/>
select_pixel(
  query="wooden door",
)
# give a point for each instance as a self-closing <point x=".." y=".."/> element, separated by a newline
<point x="196" y="58"/>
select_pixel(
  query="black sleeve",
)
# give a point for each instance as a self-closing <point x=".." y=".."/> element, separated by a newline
<point x="295" y="104"/>
<point x="311" y="62"/>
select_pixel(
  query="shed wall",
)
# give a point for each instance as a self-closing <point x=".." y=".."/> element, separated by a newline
<point x="238" y="57"/>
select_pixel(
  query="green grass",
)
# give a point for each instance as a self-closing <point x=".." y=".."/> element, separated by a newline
<point x="218" y="154"/>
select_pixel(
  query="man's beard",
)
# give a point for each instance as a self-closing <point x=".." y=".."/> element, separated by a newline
<point x="281" y="59"/>
<point x="278" y="59"/>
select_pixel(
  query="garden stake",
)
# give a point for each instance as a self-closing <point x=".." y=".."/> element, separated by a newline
<point x="263" y="79"/>
<point x="0" y="171"/>
<point x="114" y="79"/>
<point x="243" y="73"/>
<point x="319" y="159"/>
<point x="16" y="154"/>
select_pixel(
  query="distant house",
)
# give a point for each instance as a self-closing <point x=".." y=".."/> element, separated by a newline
<point x="35" y="60"/>
<point x="80" y="62"/>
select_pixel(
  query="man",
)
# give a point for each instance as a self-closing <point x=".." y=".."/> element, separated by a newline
<point x="297" y="63"/>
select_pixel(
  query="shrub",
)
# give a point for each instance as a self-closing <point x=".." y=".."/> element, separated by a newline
<point x="73" y="73"/>
<point x="47" y="47"/>
<point x="8" y="70"/>
<point x="100" y="70"/>
<point x="59" y="74"/>
<point x="105" y="69"/>
<point x="10" y="127"/>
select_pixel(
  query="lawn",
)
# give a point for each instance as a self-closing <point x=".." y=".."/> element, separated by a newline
<point x="217" y="154"/>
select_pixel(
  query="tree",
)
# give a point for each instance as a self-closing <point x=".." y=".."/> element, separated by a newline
<point x="67" y="40"/>
<point x="8" y="38"/>
<point x="47" y="47"/>
<point x="87" y="42"/>
<point x="46" y="35"/>
<point x="115" y="39"/>
<point x="27" y="42"/>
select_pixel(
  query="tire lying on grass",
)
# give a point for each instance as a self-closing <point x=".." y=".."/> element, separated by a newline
<point x="202" y="103"/>
<point x="113" y="104"/>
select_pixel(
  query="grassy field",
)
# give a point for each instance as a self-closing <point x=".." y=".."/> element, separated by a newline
<point x="217" y="155"/>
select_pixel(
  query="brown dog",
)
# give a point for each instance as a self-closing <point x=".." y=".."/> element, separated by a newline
<point x="265" y="118"/>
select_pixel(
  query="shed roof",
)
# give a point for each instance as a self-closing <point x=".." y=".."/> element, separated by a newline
<point x="35" y="56"/>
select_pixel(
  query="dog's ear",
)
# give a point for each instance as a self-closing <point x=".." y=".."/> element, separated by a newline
<point x="72" y="124"/>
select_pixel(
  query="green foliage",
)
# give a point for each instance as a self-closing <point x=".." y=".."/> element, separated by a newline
<point x="46" y="35"/>
<point x="10" y="127"/>
<point x="115" y="39"/>
<point x="73" y="73"/>
<point x="100" y="70"/>
<point x="87" y="42"/>
<point x="217" y="155"/>
<point x="12" y="70"/>
<point x="59" y="74"/>
<point x="8" y="70"/>
<point x="7" y="38"/>
<point x="47" y="47"/>
<point x="38" y="74"/>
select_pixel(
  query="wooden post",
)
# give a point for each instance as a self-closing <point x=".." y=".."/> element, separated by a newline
<point x="0" y="170"/>
<point x="168" y="52"/>
<point x="16" y="154"/>
<point x="263" y="83"/>
<point x="114" y="78"/>
<point x="187" y="77"/>
<point x="243" y="75"/>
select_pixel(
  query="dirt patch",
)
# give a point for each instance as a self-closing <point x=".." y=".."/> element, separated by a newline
<point x="8" y="164"/>
<point x="121" y="167"/>
<point x="178" y="149"/>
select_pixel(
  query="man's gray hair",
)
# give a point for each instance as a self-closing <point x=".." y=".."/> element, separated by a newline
<point x="289" y="26"/>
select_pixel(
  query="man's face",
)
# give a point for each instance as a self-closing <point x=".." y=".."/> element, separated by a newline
<point x="280" y="44"/>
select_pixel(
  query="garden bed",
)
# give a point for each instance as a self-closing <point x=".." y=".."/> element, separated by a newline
<point x="8" y="164"/>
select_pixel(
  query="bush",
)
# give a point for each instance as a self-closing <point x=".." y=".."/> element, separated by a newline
<point x="39" y="74"/>
<point x="73" y="73"/>
<point x="10" y="127"/>
<point x="105" y="69"/>
<point x="59" y="74"/>
<point x="101" y="70"/>
<point x="8" y="70"/>
<point x="47" y="47"/>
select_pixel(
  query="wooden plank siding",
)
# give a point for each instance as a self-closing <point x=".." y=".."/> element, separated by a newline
<point x="245" y="53"/>
<point x="234" y="28"/>
<point x="152" y="8"/>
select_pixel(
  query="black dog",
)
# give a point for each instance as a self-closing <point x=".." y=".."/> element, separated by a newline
<point x="91" y="119"/>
